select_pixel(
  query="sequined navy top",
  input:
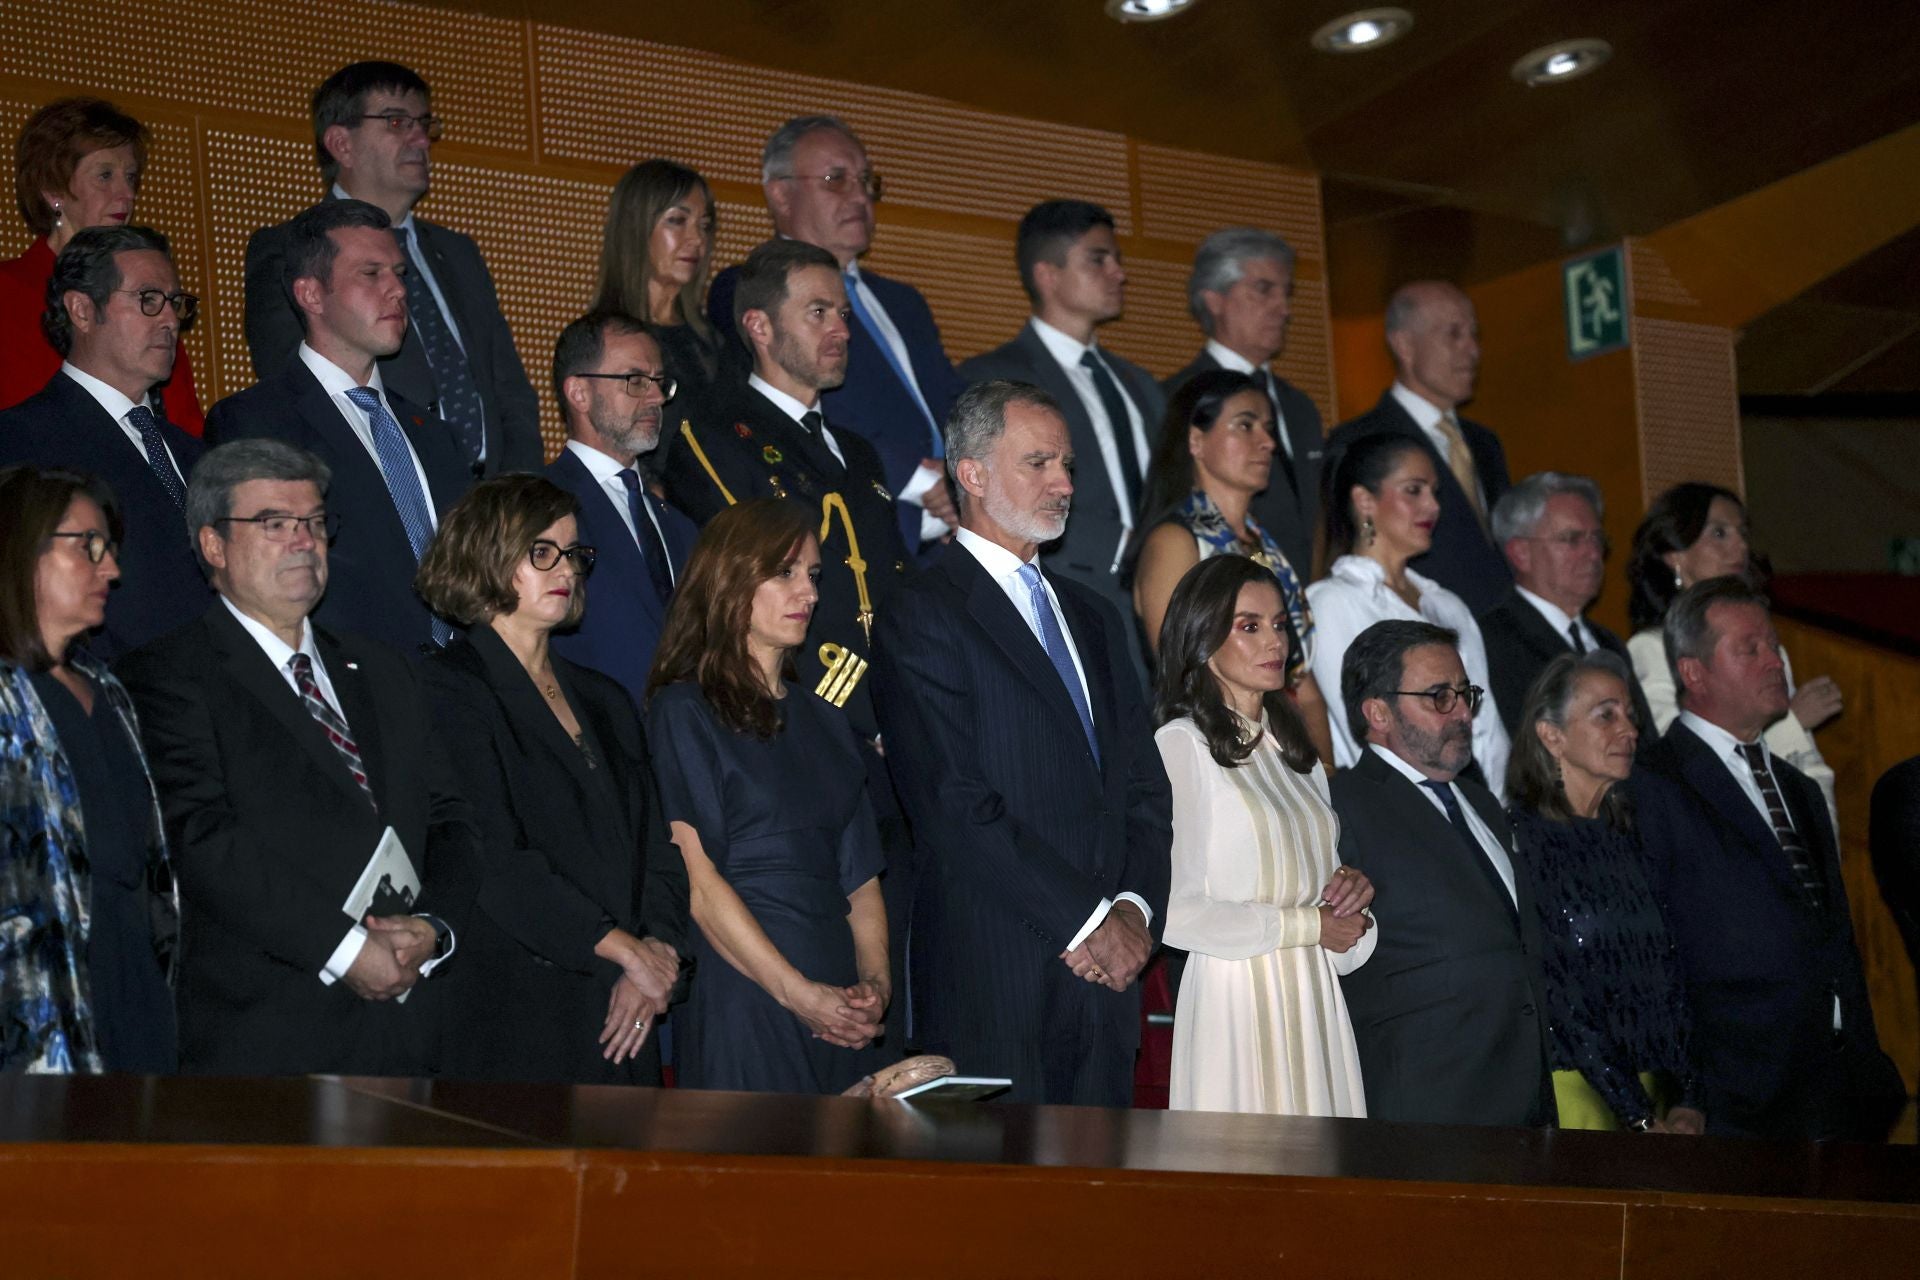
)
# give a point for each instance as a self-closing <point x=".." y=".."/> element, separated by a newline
<point x="1614" y="994"/>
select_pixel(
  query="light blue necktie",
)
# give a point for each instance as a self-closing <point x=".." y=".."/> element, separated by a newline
<point x="403" y="482"/>
<point x="861" y="310"/>
<point x="1054" y="641"/>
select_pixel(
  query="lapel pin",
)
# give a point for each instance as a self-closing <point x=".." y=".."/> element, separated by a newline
<point x="773" y="456"/>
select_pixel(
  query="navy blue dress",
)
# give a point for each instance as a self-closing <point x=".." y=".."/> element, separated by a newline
<point x="1615" y="999"/>
<point x="788" y="824"/>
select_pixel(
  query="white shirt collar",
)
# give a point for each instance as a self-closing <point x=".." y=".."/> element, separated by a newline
<point x="112" y="399"/>
<point x="786" y="403"/>
<point x="1556" y="616"/>
<point x="999" y="562"/>
<point x="1365" y="571"/>
<point x="1065" y="349"/>
<point x="1424" y="412"/>
<point x="601" y="467"/>
<point x="341" y="193"/>
<point x="1405" y="770"/>
<point x="275" y="648"/>
<point x="334" y="380"/>
<point x="1227" y="358"/>
<point x="1722" y="743"/>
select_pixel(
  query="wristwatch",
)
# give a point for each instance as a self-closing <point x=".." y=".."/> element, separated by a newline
<point x="1643" y="1125"/>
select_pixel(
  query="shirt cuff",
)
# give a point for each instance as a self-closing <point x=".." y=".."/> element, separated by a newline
<point x="1093" y="922"/>
<point x="1139" y="902"/>
<point x="344" y="955"/>
<point x="445" y="932"/>
<point x="923" y="479"/>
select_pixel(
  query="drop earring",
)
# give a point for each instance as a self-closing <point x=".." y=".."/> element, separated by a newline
<point x="56" y="217"/>
<point x="1678" y="584"/>
<point x="1366" y="531"/>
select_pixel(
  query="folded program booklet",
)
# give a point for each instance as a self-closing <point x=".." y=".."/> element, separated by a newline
<point x="957" y="1089"/>
<point x="388" y="886"/>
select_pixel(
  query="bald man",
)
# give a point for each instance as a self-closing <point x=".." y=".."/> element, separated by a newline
<point x="1434" y="339"/>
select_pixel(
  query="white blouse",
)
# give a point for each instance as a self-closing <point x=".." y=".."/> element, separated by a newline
<point x="1352" y="597"/>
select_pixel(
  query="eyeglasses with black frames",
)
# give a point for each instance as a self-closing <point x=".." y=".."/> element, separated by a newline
<point x="401" y="123"/>
<point x="324" y="527"/>
<point x="637" y="383"/>
<point x="1446" y="697"/>
<point x="544" y="555"/>
<point x="96" y="544"/>
<point x="185" y="305"/>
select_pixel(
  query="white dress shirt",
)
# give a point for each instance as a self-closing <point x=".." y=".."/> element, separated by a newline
<point x="1067" y="352"/>
<point x="118" y="406"/>
<point x="1559" y="620"/>
<point x="1227" y="358"/>
<point x="280" y="654"/>
<point x="606" y="473"/>
<point x="1427" y="416"/>
<point x="1004" y="568"/>
<point x="795" y="410"/>
<point x="1352" y="597"/>
<point x="1483" y="834"/>
<point x="336" y="382"/>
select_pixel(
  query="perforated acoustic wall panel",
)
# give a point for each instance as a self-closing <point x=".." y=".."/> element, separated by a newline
<point x="1689" y="405"/>
<point x="541" y="122"/>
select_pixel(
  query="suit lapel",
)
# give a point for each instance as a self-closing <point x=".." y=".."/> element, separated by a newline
<point x="1102" y="699"/>
<point x="601" y="523"/>
<point x="1724" y="799"/>
<point x="351" y="461"/>
<point x="248" y="666"/>
<point x="803" y="450"/>
<point x="1545" y="643"/>
<point x="1399" y="792"/>
<point x="1090" y="475"/>
<point x="361" y="711"/>
<point x="526" y="709"/>
<point x="989" y="606"/>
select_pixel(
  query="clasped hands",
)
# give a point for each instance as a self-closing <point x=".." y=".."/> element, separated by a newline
<point x="849" y="1017"/>
<point x="1116" y="951"/>
<point x="648" y="970"/>
<point x="1343" y="904"/>
<point x="389" y="963"/>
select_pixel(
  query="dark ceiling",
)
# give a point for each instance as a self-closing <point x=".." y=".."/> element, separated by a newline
<point x="1434" y="160"/>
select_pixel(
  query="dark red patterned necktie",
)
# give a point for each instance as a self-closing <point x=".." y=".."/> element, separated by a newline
<point x="330" y="720"/>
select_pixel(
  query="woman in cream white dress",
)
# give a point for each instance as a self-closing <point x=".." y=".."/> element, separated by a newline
<point x="1259" y="900"/>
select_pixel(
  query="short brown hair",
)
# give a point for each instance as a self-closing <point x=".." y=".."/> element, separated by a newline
<point x="33" y="501"/>
<point x="705" y="639"/>
<point x="52" y="143"/>
<point x="467" y="574"/>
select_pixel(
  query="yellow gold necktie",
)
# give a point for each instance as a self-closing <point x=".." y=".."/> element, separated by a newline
<point x="1460" y="462"/>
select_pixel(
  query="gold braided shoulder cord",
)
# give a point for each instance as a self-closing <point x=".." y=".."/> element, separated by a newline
<point x="854" y="560"/>
<point x="686" y="430"/>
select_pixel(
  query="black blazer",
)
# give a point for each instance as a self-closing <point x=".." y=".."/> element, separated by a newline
<point x="1290" y="514"/>
<point x="161" y="587"/>
<point x="1895" y="843"/>
<point x="269" y="832"/>
<point x="571" y="851"/>
<point x="1449" y="1013"/>
<point x="1018" y="831"/>
<point x="621" y="628"/>
<point x="1762" y="968"/>
<point x="511" y="405"/>
<point x="1462" y="559"/>
<point x="1088" y="549"/>
<point x="371" y="564"/>
<point x="1520" y="644"/>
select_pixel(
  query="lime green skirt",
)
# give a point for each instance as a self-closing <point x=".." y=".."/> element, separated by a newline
<point x="1582" y="1107"/>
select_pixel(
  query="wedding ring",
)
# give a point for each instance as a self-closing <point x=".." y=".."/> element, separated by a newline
<point x="640" y="1025"/>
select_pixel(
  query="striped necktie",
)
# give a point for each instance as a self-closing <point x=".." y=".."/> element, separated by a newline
<point x="1804" y="871"/>
<point x="331" y="722"/>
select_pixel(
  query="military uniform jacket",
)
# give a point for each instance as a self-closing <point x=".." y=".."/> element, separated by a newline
<point x="743" y="447"/>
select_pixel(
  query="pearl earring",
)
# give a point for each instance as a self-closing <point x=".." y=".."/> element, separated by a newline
<point x="56" y="217"/>
<point x="1366" y="531"/>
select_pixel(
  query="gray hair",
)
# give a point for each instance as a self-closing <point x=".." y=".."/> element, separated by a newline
<point x="776" y="158"/>
<point x="222" y="470"/>
<point x="1519" y="511"/>
<point x="1221" y="260"/>
<point x="1687" y="631"/>
<point x="979" y="418"/>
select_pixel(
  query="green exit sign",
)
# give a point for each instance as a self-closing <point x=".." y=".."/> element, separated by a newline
<point x="1595" y="288"/>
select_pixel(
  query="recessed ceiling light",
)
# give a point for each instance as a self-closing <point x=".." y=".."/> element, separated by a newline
<point x="1566" y="60"/>
<point x="1364" y="31"/>
<point x="1145" y="10"/>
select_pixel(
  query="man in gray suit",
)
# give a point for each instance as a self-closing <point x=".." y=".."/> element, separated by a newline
<point x="373" y="132"/>
<point x="1241" y="295"/>
<point x="1070" y="266"/>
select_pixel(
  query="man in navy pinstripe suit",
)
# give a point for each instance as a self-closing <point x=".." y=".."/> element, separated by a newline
<point x="1023" y="754"/>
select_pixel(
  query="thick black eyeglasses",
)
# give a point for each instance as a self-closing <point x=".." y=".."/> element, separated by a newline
<point x="324" y="527"/>
<point x="543" y="555"/>
<point x="1446" y="697"/>
<point x="400" y="122"/>
<point x="185" y="305"/>
<point x="839" y="182"/>
<point x="96" y="544"/>
<point x="637" y="383"/>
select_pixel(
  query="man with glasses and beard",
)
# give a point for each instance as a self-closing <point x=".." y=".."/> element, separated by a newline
<point x="1448" y="1015"/>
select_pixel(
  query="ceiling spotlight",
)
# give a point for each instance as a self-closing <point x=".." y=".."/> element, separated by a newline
<point x="1566" y="60"/>
<point x="1363" y="31"/>
<point x="1145" y="10"/>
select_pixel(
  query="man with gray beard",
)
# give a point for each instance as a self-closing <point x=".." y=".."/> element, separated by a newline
<point x="1023" y="755"/>
<point x="612" y="385"/>
<point x="1448" y="1015"/>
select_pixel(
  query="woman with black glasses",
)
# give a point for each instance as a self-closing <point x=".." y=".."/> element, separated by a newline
<point x="570" y="959"/>
<point x="88" y="898"/>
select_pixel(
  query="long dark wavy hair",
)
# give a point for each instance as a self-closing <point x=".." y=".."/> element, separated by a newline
<point x="705" y="638"/>
<point x="1674" y="522"/>
<point x="1367" y="462"/>
<point x="1533" y="777"/>
<point x="1196" y="405"/>
<point x="1199" y="617"/>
